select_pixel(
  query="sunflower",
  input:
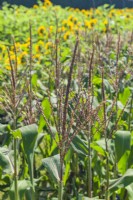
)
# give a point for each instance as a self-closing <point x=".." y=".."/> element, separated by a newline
<point x="70" y="24"/>
<point x="51" y="29"/>
<point x="17" y="47"/>
<point x="93" y="22"/>
<point x="83" y="11"/>
<point x="75" y="20"/>
<point x="112" y="13"/>
<point x="98" y="12"/>
<point x="8" y="67"/>
<point x="44" y="8"/>
<point x="35" y="6"/>
<point x="39" y="46"/>
<point x="70" y="18"/>
<point x="48" y="45"/>
<point x="41" y="30"/>
<point x="26" y="45"/>
<point x="67" y="35"/>
<point x="23" y="57"/>
<point x="87" y="24"/>
<point x="12" y="60"/>
<point x="105" y="22"/>
<point x="47" y="3"/>
<point x="12" y="57"/>
<point x="63" y="28"/>
<point x="64" y="23"/>
<point x="37" y="58"/>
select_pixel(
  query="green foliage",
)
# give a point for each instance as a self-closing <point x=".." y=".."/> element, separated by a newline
<point x="123" y="181"/>
<point x="79" y="146"/>
<point x="122" y="143"/>
<point x="23" y="187"/>
<point x="66" y="108"/>
<point x="5" y="161"/>
<point x="29" y="138"/>
<point x="52" y="165"/>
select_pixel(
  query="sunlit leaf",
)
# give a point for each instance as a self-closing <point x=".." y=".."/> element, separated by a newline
<point x="122" y="182"/>
<point x="122" y="143"/>
<point x="79" y="146"/>
<point x="23" y="186"/>
<point x="53" y="166"/>
<point x="5" y="161"/>
<point x="29" y="136"/>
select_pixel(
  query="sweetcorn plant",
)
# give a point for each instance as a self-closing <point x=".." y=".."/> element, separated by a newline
<point x="66" y="114"/>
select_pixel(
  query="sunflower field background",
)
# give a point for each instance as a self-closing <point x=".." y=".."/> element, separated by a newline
<point x="66" y="103"/>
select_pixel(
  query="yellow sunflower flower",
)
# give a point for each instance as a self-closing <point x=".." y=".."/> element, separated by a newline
<point x="70" y="18"/>
<point x="17" y="45"/>
<point x="93" y="22"/>
<point x="87" y="24"/>
<point x="44" y="8"/>
<point x="75" y="20"/>
<point x="41" y="30"/>
<point x="48" y="45"/>
<point x="105" y="22"/>
<point x="12" y="59"/>
<point x="64" y="23"/>
<point x="39" y="46"/>
<point x="67" y="35"/>
<point x="51" y="29"/>
<point x="112" y="13"/>
<point x="8" y="67"/>
<point x="47" y="3"/>
<point x="83" y="11"/>
<point x="26" y="44"/>
<point x="35" y="6"/>
<point x="98" y="12"/>
<point x="37" y="58"/>
<point x="70" y="24"/>
<point x="23" y="57"/>
<point x="63" y="28"/>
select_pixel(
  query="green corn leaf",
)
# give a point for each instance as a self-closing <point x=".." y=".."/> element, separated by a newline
<point x="108" y="86"/>
<point x="100" y="146"/>
<point x="66" y="173"/>
<point x="39" y="139"/>
<point x="94" y="198"/>
<point x="123" y="162"/>
<point x="81" y="197"/>
<point x="79" y="146"/>
<point x="122" y="143"/>
<point x="4" y="128"/>
<point x="46" y="108"/>
<point x="130" y="160"/>
<point x="5" y="161"/>
<point x="23" y="187"/>
<point x="16" y="134"/>
<point x="123" y="97"/>
<point x="5" y="181"/>
<point x="4" y="134"/>
<point x="29" y="136"/>
<point x="122" y="182"/>
<point x="52" y="164"/>
<point x="67" y="165"/>
<point x="129" y="189"/>
<point x="97" y="148"/>
<point x="42" y="123"/>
